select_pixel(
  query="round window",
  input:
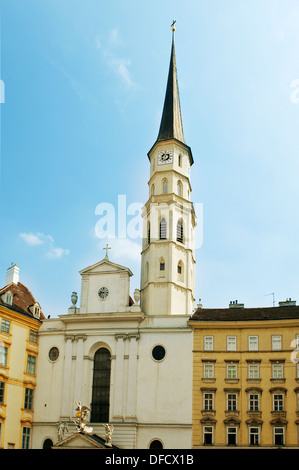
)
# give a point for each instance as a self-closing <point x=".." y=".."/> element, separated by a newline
<point x="53" y="354"/>
<point x="158" y="353"/>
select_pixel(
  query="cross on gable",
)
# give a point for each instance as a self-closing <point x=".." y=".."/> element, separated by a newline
<point x="107" y="248"/>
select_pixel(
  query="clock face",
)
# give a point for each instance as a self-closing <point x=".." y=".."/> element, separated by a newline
<point x="165" y="157"/>
<point x="103" y="293"/>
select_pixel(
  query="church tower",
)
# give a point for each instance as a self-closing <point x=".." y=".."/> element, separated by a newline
<point x="167" y="267"/>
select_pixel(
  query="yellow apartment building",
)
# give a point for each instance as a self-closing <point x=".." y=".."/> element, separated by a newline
<point x="20" y="319"/>
<point x="246" y="376"/>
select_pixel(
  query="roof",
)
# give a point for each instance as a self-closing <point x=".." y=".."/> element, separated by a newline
<point x="171" y="126"/>
<point x="22" y="299"/>
<point x="246" y="314"/>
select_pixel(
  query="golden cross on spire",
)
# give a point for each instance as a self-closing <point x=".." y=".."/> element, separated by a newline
<point x="107" y="248"/>
<point x="172" y="25"/>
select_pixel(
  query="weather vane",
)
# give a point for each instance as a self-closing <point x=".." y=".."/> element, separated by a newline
<point x="172" y="25"/>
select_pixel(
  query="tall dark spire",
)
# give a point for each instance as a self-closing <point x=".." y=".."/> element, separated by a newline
<point x="171" y="126"/>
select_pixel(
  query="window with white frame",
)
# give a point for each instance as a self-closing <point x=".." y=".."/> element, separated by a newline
<point x="276" y="342"/>
<point x="208" y="401"/>
<point x="31" y="362"/>
<point x="278" y="402"/>
<point x="254" y="435"/>
<point x="3" y="355"/>
<point x="278" y="435"/>
<point x="254" y="401"/>
<point x="277" y="370"/>
<point x="231" y="435"/>
<point x="231" y="371"/>
<point x="5" y="325"/>
<point x="33" y="335"/>
<point x="26" y="438"/>
<point x="208" y="370"/>
<point x="208" y="343"/>
<point x="231" y="401"/>
<point x="208" y="435"/>
<point x="28" y="401"/>
<point x="253" y="343"/>
<point x="231" y="343"/>
<point x="253" y="370"/>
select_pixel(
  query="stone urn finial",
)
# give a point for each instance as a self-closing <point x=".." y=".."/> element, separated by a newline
<point x="136" y="295"/>
<point x="74" y="298"/>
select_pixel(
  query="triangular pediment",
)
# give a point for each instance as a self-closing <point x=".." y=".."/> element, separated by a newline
<point x="81" y="441"/>
<point x="105" y="266"/>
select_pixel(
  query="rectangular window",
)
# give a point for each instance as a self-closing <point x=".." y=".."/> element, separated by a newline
<point x="33" y="336"/>
<point x="276" y="342"/>
<point x="5" y="325"/>
<point x="208" y="401"/>
<point x="208" y="343"/>
<point x="31" y="361"/>
<point x="253" y="343"/>
<point x="278" y="402"/>
<point x="2" y="389"/>
<point x="254" y="402"/>
<point x="231" y="402"/>
<point x="26" y="438"/>
<point x="253" y="371"/>
<point x="208" y="371"/>
<point x="254" y="436"/>
<point x="277" y="371"/>
<point x="231" y="435"/>
<point x="231" y="343"/>
<point x="28" y="402"/>
<point x="162" y="266"/>
<point x="231" y="371"/>
<point x="208" y="435"/>
<point x="3" y="356"/>
<point x="278" y="436"/>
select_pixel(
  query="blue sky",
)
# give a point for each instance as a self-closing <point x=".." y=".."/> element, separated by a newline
<point x="84" y="89"/>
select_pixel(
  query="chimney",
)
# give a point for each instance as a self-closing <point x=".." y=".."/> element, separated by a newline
<point x="234" y="304"/>
<point x="287" y="303"/>
<point x="12" y="274"/>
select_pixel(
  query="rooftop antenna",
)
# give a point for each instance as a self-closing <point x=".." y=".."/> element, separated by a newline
<point x="272" y="293"/>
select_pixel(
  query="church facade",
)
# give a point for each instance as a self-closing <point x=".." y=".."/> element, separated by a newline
<point x="130" y="361"/>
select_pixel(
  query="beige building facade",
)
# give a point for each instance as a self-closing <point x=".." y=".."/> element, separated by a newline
<point x="20" y="320"/>
<point x="246" y="377"/>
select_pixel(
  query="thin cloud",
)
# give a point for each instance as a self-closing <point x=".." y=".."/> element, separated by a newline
<point x="56" y="253"/>
<point x="119" y="65"/>
<point x="35" y="239"/>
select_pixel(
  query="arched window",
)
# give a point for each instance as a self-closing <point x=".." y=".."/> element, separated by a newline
<point x="179" y="188"/>
<point x="180" y="231"/>
<point x="164" y="184"/>
<point x="163" y="229"/>
<point x="148" y="233"/>
<point x="180" y="271"/>
<point x="48" y="443"/>
<point x="101" y="387"/>
<point x="180" y="160"/>
<point x="156" y="444"/>
<point x="162" y="266"/>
